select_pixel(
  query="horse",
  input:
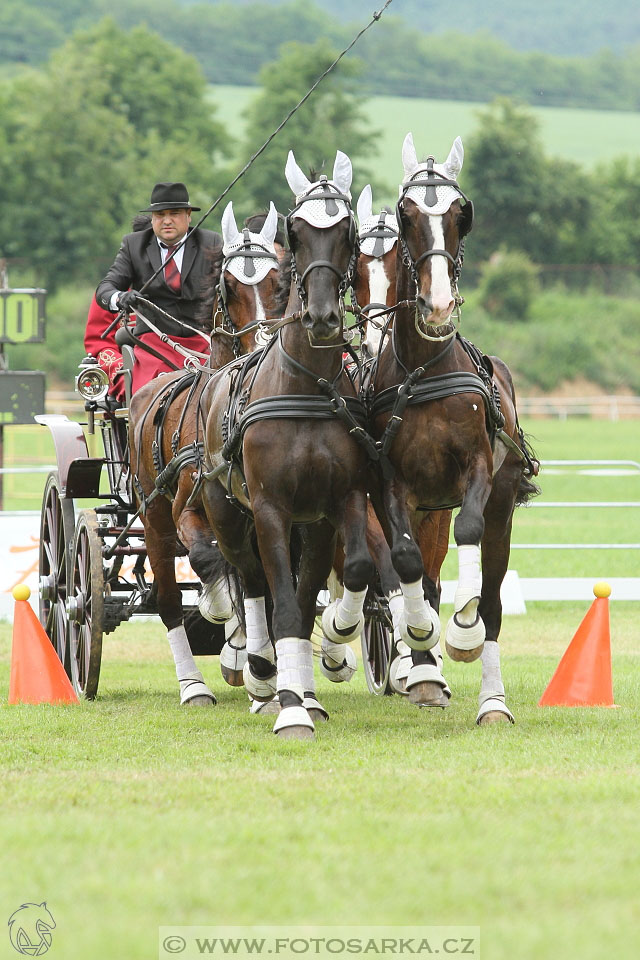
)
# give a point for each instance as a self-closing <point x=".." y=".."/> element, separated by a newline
<point x="285" y="441"/>
<point x="446" y="417"/>
<point x="374" y="293"/>
<point x="166" y="430"/>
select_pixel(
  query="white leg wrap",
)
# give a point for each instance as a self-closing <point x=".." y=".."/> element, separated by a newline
<point x="338" y="661"/>
<point x="396" y="606"/>
<point x="260" y="689"/>
<point x="469" y="584"/>
<point x="234" y="653"/>
<point x="491" y="695"/>
<point x="182" y="656"/>
<point x="419" y="624"/>
<point x="256" y="625"/>
<point x="191" y="680"/>
<point x="293" y="656"/>
<point x="214" y="602"/>
<point x="465" y="630"/>
<point x="343" y="620"/>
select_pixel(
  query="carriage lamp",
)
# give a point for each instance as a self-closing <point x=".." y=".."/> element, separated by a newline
<point x="92" y="383"/>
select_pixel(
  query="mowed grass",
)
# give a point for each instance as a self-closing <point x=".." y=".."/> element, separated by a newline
<point x="129" y="813"/>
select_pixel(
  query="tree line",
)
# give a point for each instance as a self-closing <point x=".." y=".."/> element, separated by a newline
<point x="232" y="42"/>
<point x="83" y="139"/>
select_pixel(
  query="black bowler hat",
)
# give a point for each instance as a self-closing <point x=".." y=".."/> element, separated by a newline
<point x="169" y="196"/>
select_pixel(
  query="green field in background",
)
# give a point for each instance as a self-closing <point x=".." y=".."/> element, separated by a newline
<point x="574" y="438"/>
<point x="584" y="136"/>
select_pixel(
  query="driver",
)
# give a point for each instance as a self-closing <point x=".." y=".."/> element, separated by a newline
<point x="177" y="290"/>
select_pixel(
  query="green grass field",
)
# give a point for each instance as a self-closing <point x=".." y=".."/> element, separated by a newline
<point x="584" y="136"/>
<point x="129" y="813"/>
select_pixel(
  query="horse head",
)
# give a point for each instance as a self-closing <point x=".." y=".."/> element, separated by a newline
<point x="375" y="281"/>
<point x="248" y="278"/>
<point x="323" y="241"/>
<point x="433" y="224"/>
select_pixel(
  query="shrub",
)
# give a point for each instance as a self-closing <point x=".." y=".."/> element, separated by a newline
<point x="509" y="285"/>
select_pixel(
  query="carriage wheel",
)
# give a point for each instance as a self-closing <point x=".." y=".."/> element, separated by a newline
<point x="85" y="605"/>
<point x="57" y="522"/>
<point x="377" y="645"/>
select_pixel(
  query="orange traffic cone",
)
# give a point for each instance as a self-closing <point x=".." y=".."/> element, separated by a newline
<point x="583" y="676"/>
<point x="37" y="676"/>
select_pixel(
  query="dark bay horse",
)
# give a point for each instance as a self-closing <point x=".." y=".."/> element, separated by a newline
<point x="374" y="292"/>
<point x="166" y="433"/>
<point x="289" y="455"/>
<point x="447" y="417"/>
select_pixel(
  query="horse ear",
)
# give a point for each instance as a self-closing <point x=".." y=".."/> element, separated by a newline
<point x="295" y="177"/>
<point x="453" y="163"/>
<point x="365" y="204"/>
<point x="270" y="225"/>
<point x="342" y="172"/>
<point x="409" y="157"/>
<point x="230" y="232"/>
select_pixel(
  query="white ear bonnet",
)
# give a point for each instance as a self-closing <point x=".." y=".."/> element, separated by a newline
<point x="250" y="269"/>
<point x="324" y="209"/>
<point x="385" y="223"/>
<point x="431" y="199"/>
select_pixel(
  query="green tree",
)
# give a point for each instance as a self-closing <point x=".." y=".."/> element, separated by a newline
<point x="84" y="141"/>
<point x="523" y="200"/>
<point x="331" y="119"/>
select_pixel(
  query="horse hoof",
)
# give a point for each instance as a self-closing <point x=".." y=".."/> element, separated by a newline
<point x="233" y="677"/>
<point x="428" y="694"/>
<point x="295" y="733"/>
<point x="493" y="716"/>
<point x="266" y="708"/>
<point x="317" y="715"/>
<point x="463" y="656"/>
<point x="199" y="701"/>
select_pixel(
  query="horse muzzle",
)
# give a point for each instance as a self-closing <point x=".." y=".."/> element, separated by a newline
<point x="323" y="326"/>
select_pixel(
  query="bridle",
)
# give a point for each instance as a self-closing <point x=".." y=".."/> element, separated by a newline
<point x="431" y="180"/>
<point x="327" y="191"/>
<point x="250" y="250"/>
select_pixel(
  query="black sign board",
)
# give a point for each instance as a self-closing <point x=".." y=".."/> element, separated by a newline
<point x="21" y="395"/>
<point x="22" y="315"/>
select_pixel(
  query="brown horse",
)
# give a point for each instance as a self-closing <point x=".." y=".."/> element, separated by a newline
<point x="374" y="292"/>
<point x="291" y="457"/>
<point x="166" y="432"/>
<point x="447" y="419"/>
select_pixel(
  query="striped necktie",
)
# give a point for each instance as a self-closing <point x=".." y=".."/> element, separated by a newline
<point x="171" y="272"/>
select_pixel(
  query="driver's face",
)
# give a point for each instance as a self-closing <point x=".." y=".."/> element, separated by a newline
<point x="171" y="225"/>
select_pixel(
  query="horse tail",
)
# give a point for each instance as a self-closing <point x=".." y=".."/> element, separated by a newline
<point x="527" y="488"/>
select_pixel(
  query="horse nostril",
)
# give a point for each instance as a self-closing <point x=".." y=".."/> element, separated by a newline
<point x="424" y="304"/>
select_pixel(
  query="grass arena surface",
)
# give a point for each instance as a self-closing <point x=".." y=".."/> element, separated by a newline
<point x="130" y="813"/>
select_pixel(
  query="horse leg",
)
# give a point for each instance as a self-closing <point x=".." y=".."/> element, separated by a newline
<point x="214" y="603"/>
<point x="496" y="544"/>
<point x="294" y="653"/>
<point x="160" y="538"/>
<point x="417" y="623"/>
<point x="466" y="631"/>
<point x="422" y="669"/>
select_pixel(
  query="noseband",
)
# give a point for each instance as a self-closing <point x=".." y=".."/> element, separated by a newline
<point x="325" y="190"/>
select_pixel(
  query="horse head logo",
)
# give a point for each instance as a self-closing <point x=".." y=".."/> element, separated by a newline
<point x="30" y="929"/>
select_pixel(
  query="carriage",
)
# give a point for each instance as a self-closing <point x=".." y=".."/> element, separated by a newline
<point x="92" y="570"/>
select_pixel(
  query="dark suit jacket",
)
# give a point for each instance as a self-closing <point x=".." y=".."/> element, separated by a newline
<point x="137" y="260"/>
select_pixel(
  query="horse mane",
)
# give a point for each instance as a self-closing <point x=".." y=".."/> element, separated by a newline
<point x="210" y="279"/>
<point x="284" y="284"/>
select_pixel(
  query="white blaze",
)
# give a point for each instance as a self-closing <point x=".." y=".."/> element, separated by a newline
<point x="440" y="282"/>
<point x="378" y="289"/>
